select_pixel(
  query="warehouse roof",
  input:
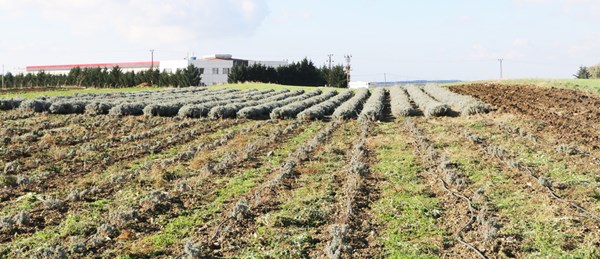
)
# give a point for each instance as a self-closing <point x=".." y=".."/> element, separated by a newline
<point x="142" y="64"/>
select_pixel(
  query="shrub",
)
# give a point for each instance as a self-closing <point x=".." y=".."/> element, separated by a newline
<point x="466" y="105"/>
<point x="373" y="108"/>
<point x="9" y="104"/>
<point x="96" y="108"/>
<point x="125" y="109"/>
<point x="292" y="109"/>
<point x="67" y="107"/>
<point x="325" y="108"/>
<point x="173" y="108"/>
<point x="352" y="107"/>
<point x="266" y="108"/>
<point x="400" y="103"/>
<point x="230" y="109"/>
<point x="36" y="105"/>
<point x="428" y="105"/>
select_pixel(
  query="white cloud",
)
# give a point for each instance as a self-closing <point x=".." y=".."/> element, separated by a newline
<point x="520" y="42"/>
<point x="585" y="49"/>
<point x="150" y="21"/>
<point x="588" y="9"/>
<point x="479" y="52"/>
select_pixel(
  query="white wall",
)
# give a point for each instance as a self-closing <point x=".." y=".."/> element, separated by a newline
<point x="215" y="71"/>
<point x="171" y="66"/>
<point x="358" y="84"/>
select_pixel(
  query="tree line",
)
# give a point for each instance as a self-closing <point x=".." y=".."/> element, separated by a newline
<point x="592" y="72"/>
<point x="302" y="73"/>
<point x="106" y="78"/>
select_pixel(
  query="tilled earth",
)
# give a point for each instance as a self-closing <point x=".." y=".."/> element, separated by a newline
<point x="571" y="113"/>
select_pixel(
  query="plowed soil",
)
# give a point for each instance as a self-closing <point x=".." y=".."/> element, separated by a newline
<point x="572" y="114"/>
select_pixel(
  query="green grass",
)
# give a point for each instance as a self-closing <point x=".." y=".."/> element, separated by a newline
<point x="406" y="210"/>
<point x="292" y="230"/>
<point x="181" y="228"/>
<point x="544" y="230"/>
<point x="66" y="92"/>
<point x="590" y="85"/>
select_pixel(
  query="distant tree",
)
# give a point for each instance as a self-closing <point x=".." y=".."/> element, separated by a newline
<point x="9" y="80"/>
<point x="594" y="71"/>
<point x="116" y="77"/>
<point x="583" y="73"/>
<point x="336" y="77"/>
<point x="238" y="74"/>
<point x="192" y="75"/>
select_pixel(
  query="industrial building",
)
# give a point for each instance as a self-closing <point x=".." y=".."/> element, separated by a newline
<point x="215" y="68"/>
<point x="64" y="69"/>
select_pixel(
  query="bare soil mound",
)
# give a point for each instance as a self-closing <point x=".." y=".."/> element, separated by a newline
<point x="571" y="113"/>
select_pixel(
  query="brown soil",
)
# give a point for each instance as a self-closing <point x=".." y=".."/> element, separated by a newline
<point x="571" y="113"/>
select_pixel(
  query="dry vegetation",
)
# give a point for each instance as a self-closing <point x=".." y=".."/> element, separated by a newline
<point x="200" y="172"/>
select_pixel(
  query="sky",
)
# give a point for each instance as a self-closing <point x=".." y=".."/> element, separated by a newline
<point x="388" y="39"/>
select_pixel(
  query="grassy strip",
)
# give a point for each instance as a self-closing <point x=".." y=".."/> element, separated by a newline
<point x="175" y="231"/>
<point x="65" y="92"/>
<point x="406" y="210"/>
<point x="533" y="225"/>
<point x="295" y="228"/>
<point x="574" y="176"/>
<point x="84" y="221"/>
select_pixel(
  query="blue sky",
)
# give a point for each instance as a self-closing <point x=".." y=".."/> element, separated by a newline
<point x="406" y="40"/>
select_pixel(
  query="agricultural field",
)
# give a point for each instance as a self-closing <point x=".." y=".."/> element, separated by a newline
<point x="470" y="171"/>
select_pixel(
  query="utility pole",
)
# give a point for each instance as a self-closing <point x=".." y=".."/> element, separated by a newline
<point x="152" y="59"/>
<point x="2" y="76"/>
<point x="384" y="79"/>
<point x="500" y="60"/>
<point x="348" y="67"/>
<point x="330" y="72"/>
<point x="152" y="67"/>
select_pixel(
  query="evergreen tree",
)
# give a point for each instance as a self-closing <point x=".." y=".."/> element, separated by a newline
<point x="583" y="73"/>
<point x="193" y="75"/>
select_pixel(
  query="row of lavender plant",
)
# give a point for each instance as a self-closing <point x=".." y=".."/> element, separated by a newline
<point x="292" y="109"/>
<point x="373" y="108"/>
<point x="173" y="108"/>
<point x="325" y="108"/>
<point x="352" y="107"/>
<point x="230" y="110"/>
<point x="400" y="103"/>
<point x="77" y="103"/>
<point x="428" y="105"/>
<point x="466" y="105"/>
<point x="266" y="108"/>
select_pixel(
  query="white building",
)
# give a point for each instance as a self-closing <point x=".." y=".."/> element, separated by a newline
<point x="215" y="68"/>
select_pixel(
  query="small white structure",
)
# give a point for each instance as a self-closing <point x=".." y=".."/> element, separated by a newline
<point x="359" y="84"/>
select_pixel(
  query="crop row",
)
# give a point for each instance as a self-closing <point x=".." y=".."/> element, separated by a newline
<point x="431" y="100"/>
